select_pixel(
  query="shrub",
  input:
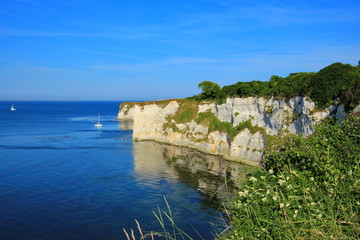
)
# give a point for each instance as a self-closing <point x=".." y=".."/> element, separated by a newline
<point x="308" y="188"/>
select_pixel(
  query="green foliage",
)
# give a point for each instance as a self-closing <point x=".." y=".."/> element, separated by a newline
<point x="269" y="109"/>
<point x="210" y="90"/>
<point x="308" y="189"/>
<point x="295" y="116"/>
<point x="332" y="82"/>
<point x="331" y="146"/>
<point x="335" y="82"/>
<point x="174" y="127"/>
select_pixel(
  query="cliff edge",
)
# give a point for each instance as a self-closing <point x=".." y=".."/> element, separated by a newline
<point x="235" y="130"/>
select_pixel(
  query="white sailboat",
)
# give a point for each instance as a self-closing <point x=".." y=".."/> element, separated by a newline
<point x="12" y="108"/>
<point x="98" y="124"/>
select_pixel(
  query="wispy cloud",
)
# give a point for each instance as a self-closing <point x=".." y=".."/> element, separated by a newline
<point x="237" y="18"/>
<point x="249" y="66"/>
<point x="30" y="2"/>
<point x="113" y="54"/>
<point x="288" y="15"/>
<point x="31" y="33"/>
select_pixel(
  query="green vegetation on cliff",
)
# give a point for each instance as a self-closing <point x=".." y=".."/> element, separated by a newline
<point x="209" y="119"/>
<point x="186" y="112"/>
<point x="189" y="111"/>
<point x="335" y="82"/>
<point x="308" y="188"/>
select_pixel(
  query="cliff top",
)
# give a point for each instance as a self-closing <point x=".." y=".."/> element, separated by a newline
<point x="337" y="82"/>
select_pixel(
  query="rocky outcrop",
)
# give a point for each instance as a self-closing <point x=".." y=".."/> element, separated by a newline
<point x="163" y="122"/>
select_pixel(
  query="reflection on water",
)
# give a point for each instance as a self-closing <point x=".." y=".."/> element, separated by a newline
<point x="213" y="176"/>
<point x="125" y="125"/>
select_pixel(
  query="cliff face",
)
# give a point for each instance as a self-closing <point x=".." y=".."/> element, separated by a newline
<point x="179" y="122"/>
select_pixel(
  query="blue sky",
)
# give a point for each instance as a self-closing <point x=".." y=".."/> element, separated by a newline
<point x="158" y="49"/>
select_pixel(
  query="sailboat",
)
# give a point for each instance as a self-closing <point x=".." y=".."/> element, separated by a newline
<point x="98" y="124"/>
<point x="12" y="108"/>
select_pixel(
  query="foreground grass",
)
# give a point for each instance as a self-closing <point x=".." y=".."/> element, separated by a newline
<point x="167" y="222"/>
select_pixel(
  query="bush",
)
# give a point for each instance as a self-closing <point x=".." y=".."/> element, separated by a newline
<point x="307" y="189"/>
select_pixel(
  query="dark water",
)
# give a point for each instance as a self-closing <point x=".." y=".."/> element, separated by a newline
<point x="61" y="178"/>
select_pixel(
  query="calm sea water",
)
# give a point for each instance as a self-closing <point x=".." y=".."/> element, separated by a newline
<point x="61" y="178"/>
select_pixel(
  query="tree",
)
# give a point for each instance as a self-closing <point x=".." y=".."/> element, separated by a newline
<point x="329" y="83"/>
<point x="210" y="90"/>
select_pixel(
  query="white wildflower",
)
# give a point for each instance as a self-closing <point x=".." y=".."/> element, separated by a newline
<point x="274" y="198"/>
<point x="288" y="204"/>
<point x="312" y="179"/>
<point x="296" y="211"/>
<point x="264" y="199"/>
<point x="271" y="171"/>
<point x="282" y="205"/>
<point x="268" y="192"/>
<point x="289" y="187"/>
<point x="281" y="181"/>
<point x="312" y="204"/>
<point x="253" y="179"/>
<point x="243" y="193"/>
<point x="262" y="177"/>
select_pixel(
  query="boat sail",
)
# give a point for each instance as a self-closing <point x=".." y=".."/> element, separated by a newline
<point x="12" y="108"/>
<point x="98" y="124"/>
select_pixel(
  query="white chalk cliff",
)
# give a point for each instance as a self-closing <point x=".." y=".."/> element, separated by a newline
<point x="154" y="121"/>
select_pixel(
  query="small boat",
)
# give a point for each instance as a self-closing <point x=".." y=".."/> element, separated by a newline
<point x="12" y="108"/>
<point x="98" y="124"/>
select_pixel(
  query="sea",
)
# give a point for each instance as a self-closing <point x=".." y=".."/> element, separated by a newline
<point x="63" y="178"/>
